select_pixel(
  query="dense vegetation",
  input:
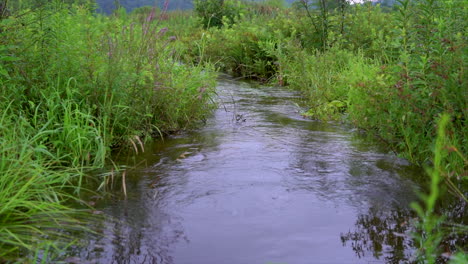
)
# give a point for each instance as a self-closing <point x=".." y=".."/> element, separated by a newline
<point x="75" y="84"/>
<point x="393" y="74"/>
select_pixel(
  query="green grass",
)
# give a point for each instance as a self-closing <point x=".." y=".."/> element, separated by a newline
<point x="34" y="189"/>
<point x="432" y="226"/>
<point x="74" y="86"/>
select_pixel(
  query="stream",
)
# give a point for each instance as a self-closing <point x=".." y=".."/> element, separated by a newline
<point x="259" y="184"/>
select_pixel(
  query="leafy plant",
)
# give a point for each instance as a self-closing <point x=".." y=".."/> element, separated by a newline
<point x="73" y="85"/>
<point x="214" y="13"/>
<point x="431" y="232"/>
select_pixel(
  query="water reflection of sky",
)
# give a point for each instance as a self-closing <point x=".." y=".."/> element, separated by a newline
<point x="269" y="187"/>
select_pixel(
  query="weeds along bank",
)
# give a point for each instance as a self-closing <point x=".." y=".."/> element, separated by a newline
<point x="73" y="85"/>
<point x="398" y="73"/>
<point x="389" y="71"/>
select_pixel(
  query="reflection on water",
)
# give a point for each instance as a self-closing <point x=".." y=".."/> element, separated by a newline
<point x="259" y="184"/>
<point x="384" y="234"/>
<point x="141" y="231"/>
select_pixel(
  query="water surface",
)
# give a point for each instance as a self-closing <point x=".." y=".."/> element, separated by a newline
<point x="259" y="184"/>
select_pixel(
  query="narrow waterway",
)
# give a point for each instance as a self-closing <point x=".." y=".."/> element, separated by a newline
<point x="259" y="184"/>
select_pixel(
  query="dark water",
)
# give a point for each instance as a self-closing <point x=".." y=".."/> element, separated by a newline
<point x="260" y="184"/>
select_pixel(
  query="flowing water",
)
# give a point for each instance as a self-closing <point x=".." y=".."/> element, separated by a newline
<point x="259" y="184"/>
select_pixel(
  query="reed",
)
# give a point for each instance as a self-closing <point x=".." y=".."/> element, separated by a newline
<point x="34" y="191"/>
<point x="74" y="86"/>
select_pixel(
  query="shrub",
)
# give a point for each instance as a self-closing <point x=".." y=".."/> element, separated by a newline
<point x="73" y="85"/>
<point x="215" y="13"/>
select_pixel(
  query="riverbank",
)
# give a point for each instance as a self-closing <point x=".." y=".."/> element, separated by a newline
<point x="260" y="178"/>
<point x="74" y="86"/>
<point x="382" y="70"/>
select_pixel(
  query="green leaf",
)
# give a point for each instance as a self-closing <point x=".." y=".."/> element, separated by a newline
<point x="4" y="72"/>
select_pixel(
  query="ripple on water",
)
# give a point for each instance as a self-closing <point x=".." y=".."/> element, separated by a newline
<point x="269" y="187"/>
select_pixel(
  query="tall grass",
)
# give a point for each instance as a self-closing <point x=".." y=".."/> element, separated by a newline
<point x="432" y="227"/>
<point x="33" y="191"/>
<point x="73" y="86"/>
<point x="389" y="73"/>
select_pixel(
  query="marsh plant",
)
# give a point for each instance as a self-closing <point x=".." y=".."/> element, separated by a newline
<point x="73" y="86"/>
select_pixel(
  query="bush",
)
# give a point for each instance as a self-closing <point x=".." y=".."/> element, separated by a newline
<point x="215" y="13"/>
<point x="73" y="85"/>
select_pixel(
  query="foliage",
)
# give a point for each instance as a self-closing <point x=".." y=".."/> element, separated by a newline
<point x="16" y="5"/>
<point x="239" y="50"/>
<point x="33" y="191"/>
<point x="215" y="13"/>
<point x="431" y="233"/>
<point x="245" y="48"/>
<point x="325" y="78"/>
<point x="80" y="83"/>
<point x="279" y="4"/>
<point x="428" y="80"/>
<point x="74" y="85"/>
